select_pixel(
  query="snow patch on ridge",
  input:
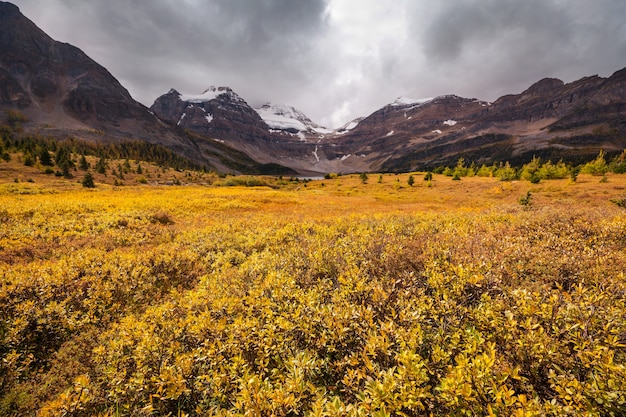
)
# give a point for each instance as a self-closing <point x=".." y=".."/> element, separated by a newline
<point x="450" y="122"/>
<point x="209" y="94"/>
<point x="349" y="126"/>
<point x="405" y="101"/>
<point x="281" y="117"/>
<point x="276" y="119"/>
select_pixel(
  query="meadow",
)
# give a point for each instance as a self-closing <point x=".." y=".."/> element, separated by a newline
<point x="185" y="293"/>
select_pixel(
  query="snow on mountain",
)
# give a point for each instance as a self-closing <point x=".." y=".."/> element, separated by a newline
<point x="349" y="126"/>
<point x="209" y="94"/>
<point x="405" y="101"/>
<point x="281" y="117"/>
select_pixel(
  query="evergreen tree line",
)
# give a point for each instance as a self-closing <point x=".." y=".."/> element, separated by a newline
<point x="537" y="170"/>
<point x="39" y="148"/>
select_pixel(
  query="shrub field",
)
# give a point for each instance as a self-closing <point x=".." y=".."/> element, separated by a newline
<point x="334" y="297"/>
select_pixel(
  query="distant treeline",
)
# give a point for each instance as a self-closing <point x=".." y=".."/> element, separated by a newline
<point x="537" y="170"/>
<point x="34" y="146"/>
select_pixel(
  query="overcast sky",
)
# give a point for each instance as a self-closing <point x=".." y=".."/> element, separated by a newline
<point x="339" y="59"/>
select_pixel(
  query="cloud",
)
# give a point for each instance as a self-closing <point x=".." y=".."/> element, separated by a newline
<point x="190" y="44"/>
<point x="463" y="26"/>
<point x="500" y="46"/>
<point x="339" y="59"/>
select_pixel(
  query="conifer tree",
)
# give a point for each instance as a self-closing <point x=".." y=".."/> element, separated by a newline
<point x="88" y="180"/>
<point x="44" y="158"/>
<point x="83" y="165"/>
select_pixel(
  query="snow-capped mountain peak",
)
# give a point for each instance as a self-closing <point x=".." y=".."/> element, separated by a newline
<point x="287" y="118"/>
<point x="209" y="94"/>
<point x="405" y="101"/>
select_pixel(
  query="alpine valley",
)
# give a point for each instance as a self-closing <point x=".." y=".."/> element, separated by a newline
<point x="63" y="93"/>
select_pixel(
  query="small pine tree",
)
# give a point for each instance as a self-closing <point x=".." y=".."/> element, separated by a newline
<point x="88" y="180"/>
<point x="44" y="158"/>
<point x="101" y="166"/>
<point x="139" y="170"/>
<point x="363" y="177"/>
<point x="83" y="165"/>
<point x="65" y="170"/>
<point x="460" y="170"/>
<point x="380" y="179"/>
<point x="61" y="156"/>
<point x="29" y="161"/>
<point x="526" y="200"/>
<point x="411" y="180"/>
<point x="596" y="167"/>
<point x="428" y="176"/>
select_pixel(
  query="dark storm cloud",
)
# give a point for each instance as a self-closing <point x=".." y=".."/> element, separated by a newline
<point x="463" y="26"/>
<point x="203" y="26"/>
<point x="502" y="45"/>
<point x="189" y="45"/>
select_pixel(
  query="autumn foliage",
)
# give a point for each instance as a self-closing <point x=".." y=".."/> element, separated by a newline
<point x="326" y="298"/>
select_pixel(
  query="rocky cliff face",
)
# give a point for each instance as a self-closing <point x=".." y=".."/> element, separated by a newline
<point x="217" y="113"/>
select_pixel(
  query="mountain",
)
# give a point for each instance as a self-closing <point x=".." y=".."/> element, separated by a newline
<point x="551" y="119"/>
<point x="216" y="113"/>
<point x="57" y="86"/>
<point x="349" y="126"/>
<point x="63" y="92"/>
<point x="272" y="134"/>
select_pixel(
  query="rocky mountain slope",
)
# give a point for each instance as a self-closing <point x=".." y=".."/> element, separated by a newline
<point x="60" y="88"/>
<point x="62" y="92"/>
<point x="551" y="119"/>
<point x="221" y="114"/>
